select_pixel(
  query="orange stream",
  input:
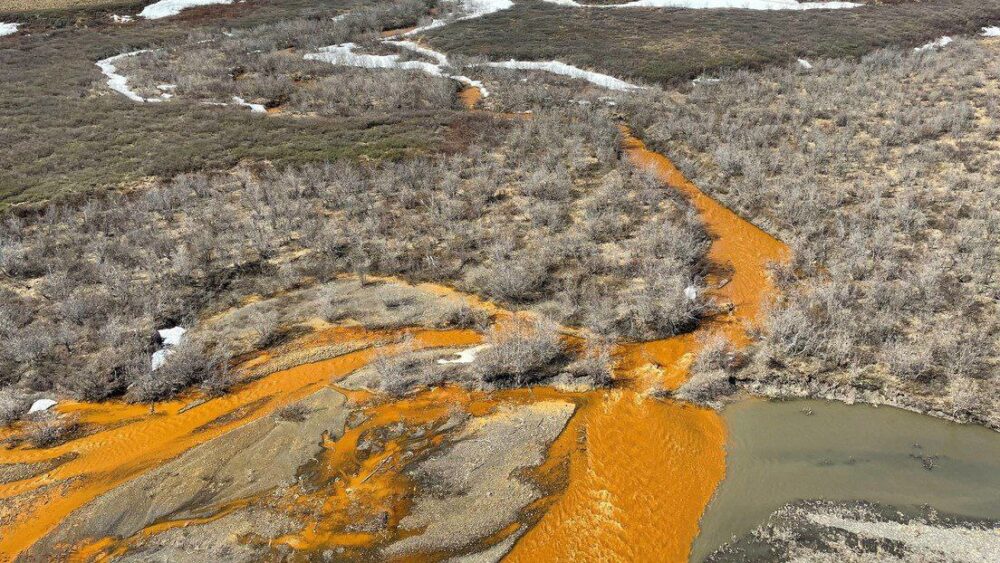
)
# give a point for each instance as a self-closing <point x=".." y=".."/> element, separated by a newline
<point x="110" y="457"/>
<point x="645" y="469"/>
<point x="640" y="470"/>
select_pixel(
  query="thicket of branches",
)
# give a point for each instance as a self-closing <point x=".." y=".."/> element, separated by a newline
<point x="881" y="176"/>
<point x="538" y="213"/>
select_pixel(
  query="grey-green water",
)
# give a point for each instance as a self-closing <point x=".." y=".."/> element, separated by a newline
<point x="777" y="453"/>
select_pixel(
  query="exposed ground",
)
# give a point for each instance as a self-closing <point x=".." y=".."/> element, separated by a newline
<point x="264" y="235"/>
<point x="823" y="531"/>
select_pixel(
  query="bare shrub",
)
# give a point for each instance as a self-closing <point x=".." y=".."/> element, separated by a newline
<point x="49" y="429"/>
<point x="595" y="364"/>
<point x="520" y="351"/>
<point x="13" y="405"/>
<point x="295" y="412"/>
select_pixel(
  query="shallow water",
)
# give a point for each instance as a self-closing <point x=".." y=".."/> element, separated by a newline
<point x="777" y="453"/>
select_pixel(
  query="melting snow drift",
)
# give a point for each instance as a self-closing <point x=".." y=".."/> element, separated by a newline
<point x="936" y="44"/>
<point x="41" y="405"/>
<point x="992" y="31"/>
<point x="256" y="108"/>
<point x="466" y="356"/>
<point x="556" y="67"/>
<point x="8" y="28"/>
<point x="167" y="8"/>
<point x="119" y="82"/>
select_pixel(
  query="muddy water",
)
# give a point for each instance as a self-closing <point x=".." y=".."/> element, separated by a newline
<point x="778" y="453"/>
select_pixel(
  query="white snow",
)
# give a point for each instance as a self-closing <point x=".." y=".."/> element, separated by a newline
<point x="563" y="69"/>
<point x="119" y="83"/>
<point x="478" y="8"/>
<point x="805" y="64"/>
<point x="992" y="31"/>
<point x="159" y="358"/>
<point x="936" y="44"/>
<point x="172" y="336"/>
<point x="691" y="292"/>
<point x="474" y="83"/>
<point x="41" y="405"/>
<point x="256" y="108"/>
<point x="167" y="8"/>
<point x="344" y="55"/>
<point x="8" y="28"/>
<point x="121" y="19"/>
<point x="466" y="356"/>
<point x="438" y="56"/>
<point x="472" y="9"/>
<point x="706" y="80"/>
<point x="717" y="4"/>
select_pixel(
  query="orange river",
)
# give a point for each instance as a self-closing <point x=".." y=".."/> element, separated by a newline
<point x="639" y="470"/>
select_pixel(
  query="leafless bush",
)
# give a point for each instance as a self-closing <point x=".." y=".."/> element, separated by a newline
<point x="595" y="364"/>
<point x="13" y="405"/>
<point x="520" y="351"/>
<point x="49" y="429"/>
<point x="295" y="412"/>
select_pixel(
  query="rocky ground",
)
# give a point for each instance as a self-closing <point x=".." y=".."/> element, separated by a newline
<point x="819" y="531"/>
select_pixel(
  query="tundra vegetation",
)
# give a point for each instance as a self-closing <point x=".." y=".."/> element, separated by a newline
<point x="881" y="175"/>
<point x="662" y="45"/>
<point x="540" y="214"/>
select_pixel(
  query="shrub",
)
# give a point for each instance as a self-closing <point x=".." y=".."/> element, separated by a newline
<point x="520" y="351"/>
<point x="49" y="429"/>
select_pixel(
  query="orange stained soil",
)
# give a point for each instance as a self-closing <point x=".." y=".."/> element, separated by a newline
<point x="470" y="96"/>
<point x="635" y="472"/>
<point x="644" y="470"/>
<point x="143" y="437"/>
<point x="349" y="487"/>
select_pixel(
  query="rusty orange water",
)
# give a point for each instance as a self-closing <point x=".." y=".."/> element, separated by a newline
<point x="644" y="469"/>
<point x="640" y="470"/>
<point x="149" y="438"/>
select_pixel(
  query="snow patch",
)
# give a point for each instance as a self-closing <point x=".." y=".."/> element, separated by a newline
<point x="691" y="292"/>
<point x="344" y="55"/>
<point x="474" y="83"/>
<point x="171" y="337"/>
<point x="122" y="19"/>
<point x="441" y="58"/>
<point x="717" y="4"/>
<point x="936" y="44"/>
<point x="41" y="405"/>
<point x="255" y="108"/>
<point x="167" y="8"/>
<point x="563" y="69"/>
<point x="991" y="31"/>
<point x="805" y="64"/>
<point x="479" y="8"/>
<point x="8" y="28"/>
<point x="466" y="356"/>
<point x="119" y="82"/>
